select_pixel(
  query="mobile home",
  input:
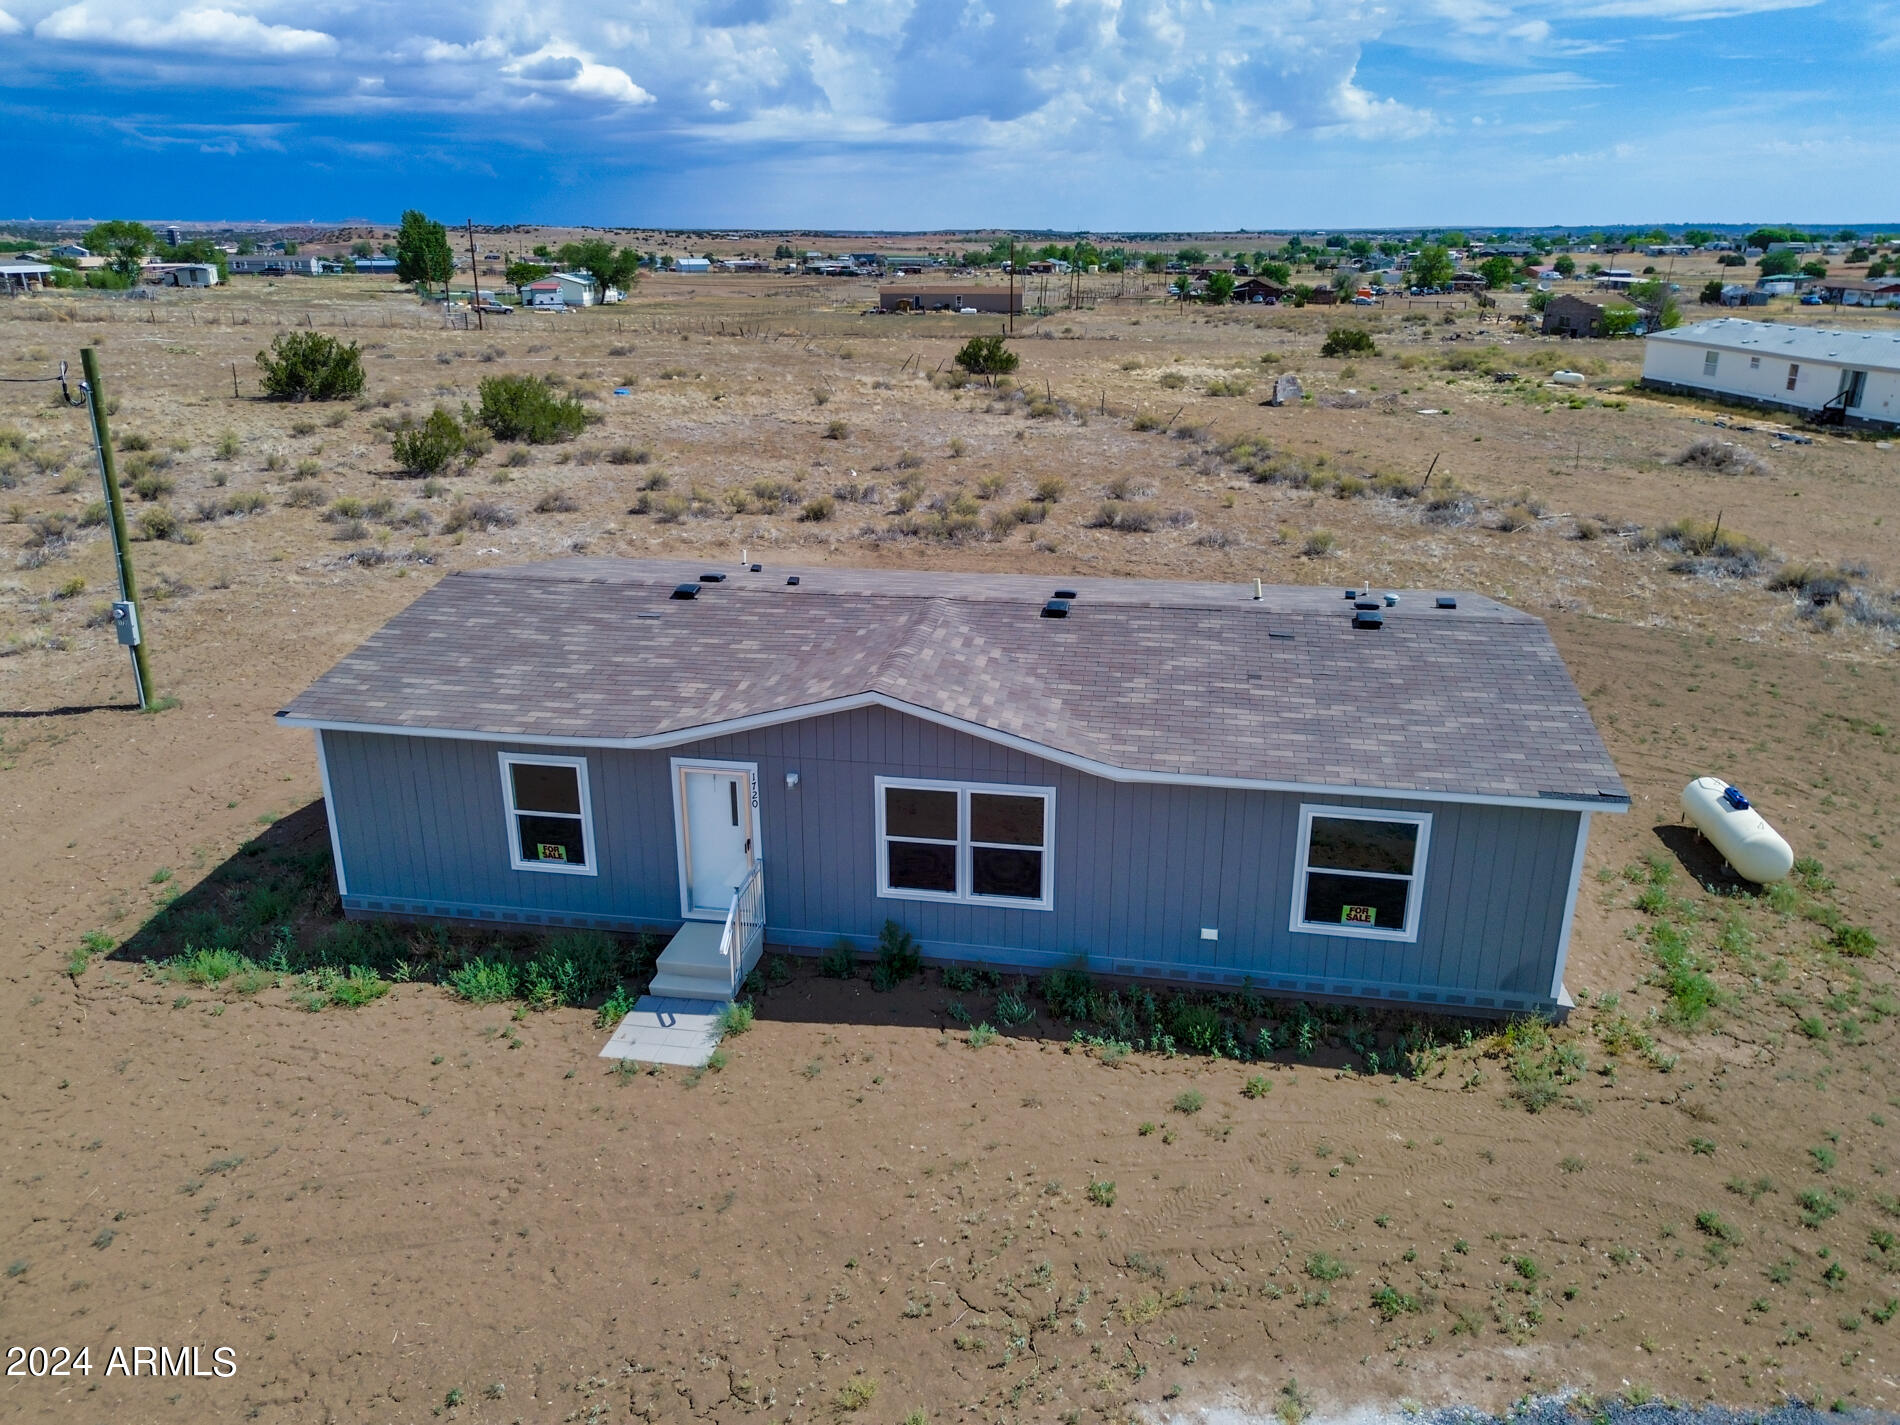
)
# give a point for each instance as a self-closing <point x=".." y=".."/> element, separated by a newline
<point x="1852" y="377"/>
<point x="1315" y="792"/>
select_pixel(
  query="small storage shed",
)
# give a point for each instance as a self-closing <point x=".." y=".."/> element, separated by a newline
<point x="561" y="289"/>
<point x="1303" y="791"/>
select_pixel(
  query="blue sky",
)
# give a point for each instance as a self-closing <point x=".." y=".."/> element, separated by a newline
<point x="1068" y="114"/>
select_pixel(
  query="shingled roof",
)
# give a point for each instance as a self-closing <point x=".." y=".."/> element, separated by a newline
<point x="1143" y="680"/>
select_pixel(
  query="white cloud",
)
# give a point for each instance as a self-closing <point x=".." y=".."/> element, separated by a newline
<point x="1684" y="9"/>
<point x="199" y="30"/>
<point x="9" y="25"/>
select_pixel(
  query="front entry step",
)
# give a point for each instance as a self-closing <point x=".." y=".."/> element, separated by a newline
<point x="691" y="966"/>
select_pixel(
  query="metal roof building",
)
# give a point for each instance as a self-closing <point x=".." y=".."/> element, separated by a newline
<point x="1845" y="377"/>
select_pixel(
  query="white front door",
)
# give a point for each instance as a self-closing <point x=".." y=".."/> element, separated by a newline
<point x="717" y="804"/>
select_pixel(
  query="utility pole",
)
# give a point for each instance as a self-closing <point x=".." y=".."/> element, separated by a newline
<point x="475" y="275"/>
<point x="125" y="613"/>
<point x="1012" y="287"/>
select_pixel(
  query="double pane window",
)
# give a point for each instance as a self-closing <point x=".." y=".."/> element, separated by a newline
<point x="966" y="842"/>
<point x="549" y="817"/>
<point x="1359" y="872"/>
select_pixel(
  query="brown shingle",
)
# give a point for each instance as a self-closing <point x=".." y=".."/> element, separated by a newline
<point x="1171" y="679"/>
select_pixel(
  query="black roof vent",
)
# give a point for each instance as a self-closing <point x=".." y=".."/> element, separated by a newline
<point x="792" y="580"/>
<point x="712" y="578"/>
<point x="1067" y="594"/>
<point x="1363" y="617"/>
<point x="1372" y="602"/>
<point x="1447" y="601"/>
<point x="646" y="615"/>
<point x="1352" y="593"/>
<point x="686" y="591"/>
<point x="1056" y="608"/>
<point x="758" y="568"/>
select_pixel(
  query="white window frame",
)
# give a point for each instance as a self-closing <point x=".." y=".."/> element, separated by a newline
<point x="509" y="760"/>
<point x="1711" y="362"/>
<point x="1414" y="895"/>
<point x="963" y="895"/>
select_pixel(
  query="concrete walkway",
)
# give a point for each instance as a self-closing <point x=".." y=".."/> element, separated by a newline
<point x="667" y="1031"/>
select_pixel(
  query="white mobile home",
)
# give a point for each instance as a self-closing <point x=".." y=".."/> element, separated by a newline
<point x="561" y="289"/>
<point x="181" y="274"/>
<point x="1846" y="377"/>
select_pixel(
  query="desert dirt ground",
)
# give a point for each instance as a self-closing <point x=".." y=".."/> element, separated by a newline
<point x="422" y="1208"/>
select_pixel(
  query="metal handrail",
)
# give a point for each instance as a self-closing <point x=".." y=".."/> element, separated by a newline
<point x="745" y="921"/>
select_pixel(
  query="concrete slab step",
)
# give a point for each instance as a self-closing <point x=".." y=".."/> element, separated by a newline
<point x="666" y="1030"/>
<point x="697" y="988"/>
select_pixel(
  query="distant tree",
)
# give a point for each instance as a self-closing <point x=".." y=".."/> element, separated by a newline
<point x="1698" y="237"/>
<point x="1348" y="341"/>
<point x="541" y="249"/>
<point x="1876" y="269"/>
<point x="1432" y="267"/>
<point x="1498" y="272"/>
<point x="246" y="247"/>
<point x="1390" y="248"/>
<point x="1731" y="259"/>
<point x="1816" y="270"/>
<point x="1191" y="256"/>
<point x="1566" y="266"/>
<point x="1778" y="264"/>
<point x="1658" y="303"/>
<point x="1360" y="247"/>
<point x="1621" y="321"/>
<point x="519" y="274"/>
<point x="1711" y="293"/>
<point x="1182" y="286"/>
<point x="422" y="251"/>
<point x="1454" y="238"/>
<point x="987" y="356"/>
<point x="1537" y="301"/>
<point x="362" y="248"/>
<point x="782" y="251"/>
<point x="597" y="258"/>
<point x="290" y="249"/>
<point x="1220" y="289"/>
<point x="1117" y="263"/>
<point x="428" y="448"/>
<point x="311" y="366"/>
<point x="1764" y="237"/>
<point x="1153" y="261"/>
<point x="1346" y="281"/>
<point x="1847" y="235"/>
<point x="1859" y="254"/>
<point x="1275" y="272"/>
<point x="123" y="244"/>
<point x="526" y="408"/>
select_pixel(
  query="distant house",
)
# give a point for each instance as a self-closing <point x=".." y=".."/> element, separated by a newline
<point x="561" y="289"/>
<point x="1850" y="377"/>
<point x="181" y="274"/>
<point x="1571" y="314"/>
<point x="71" y="250"/>
<point x="381" y="266"/>
<point x="1734" y="294"/>
<point x="795" y="757"/>
<point x="275" y="264"/>
<point x="1467" y="282"/>
<point x="1322" y="297"/>
<point x="24" y="276"/>
<point x="1861" y="292"/>
<point x="1259" y="289"/>
<point x="949" y="299"/>
<point x="692" y="264"/>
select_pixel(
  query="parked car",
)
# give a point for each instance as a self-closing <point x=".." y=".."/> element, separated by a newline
<point x="1365" y="302"/>
<point x="496" y="309"/>
<point x="1812" y="299"/>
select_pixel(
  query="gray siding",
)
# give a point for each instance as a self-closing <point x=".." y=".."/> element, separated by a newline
<point x="1139" y="868"/>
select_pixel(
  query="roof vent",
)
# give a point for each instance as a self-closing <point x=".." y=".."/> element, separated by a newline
<point x="646" y="615"/>
<point x="1368" y="613"/>
<point x="792" y="580"/>
<point x="1352" y="593"/>
<point x="1371" y="601"/>
<point x="1056" y="608"/>
<point x="712" y="578"/>
<point x="686" y="591"/>
<point x="1066" y="594"/>
<point x="1447" y="601"/>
